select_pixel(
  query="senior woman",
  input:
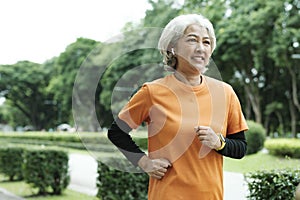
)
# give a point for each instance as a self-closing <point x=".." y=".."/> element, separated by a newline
<point x="193" y="120"/>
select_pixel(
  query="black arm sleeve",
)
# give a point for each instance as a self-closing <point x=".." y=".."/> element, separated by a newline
<point x="236" y="146"/>
<point x="118" y="134"/>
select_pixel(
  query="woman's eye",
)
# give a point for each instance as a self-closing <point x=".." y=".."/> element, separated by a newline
<point x="207" y="42"/>
<point x="192" y="40"/>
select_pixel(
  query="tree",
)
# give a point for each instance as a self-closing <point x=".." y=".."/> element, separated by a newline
<point x="90" y="112"/>
<point x="66" y="67"/>
<point x="255" y="41"/>
<point x="161" y="13"/>
<point x="23" y="85"/>
<point x="286" y="39"/>
<point x="244" y="38"/>
<point x="133" y="59"/>
<point x="214" y="10"/>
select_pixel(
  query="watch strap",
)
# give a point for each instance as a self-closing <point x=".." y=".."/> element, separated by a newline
<point x="223" y="142"/>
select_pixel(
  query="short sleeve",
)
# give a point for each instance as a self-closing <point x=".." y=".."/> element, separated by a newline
<point x="137" y="109"/>
<point x="236" y="120"/>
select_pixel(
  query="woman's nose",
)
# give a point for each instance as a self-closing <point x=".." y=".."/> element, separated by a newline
<point x="199" y="47"/>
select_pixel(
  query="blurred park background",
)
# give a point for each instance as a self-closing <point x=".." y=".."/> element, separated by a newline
<point x="258" y="53"/>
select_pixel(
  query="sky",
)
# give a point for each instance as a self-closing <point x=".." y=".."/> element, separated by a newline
<point x="38" y="30"/>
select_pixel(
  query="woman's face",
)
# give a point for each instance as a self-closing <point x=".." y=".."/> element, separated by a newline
<point x="193" y="50"/>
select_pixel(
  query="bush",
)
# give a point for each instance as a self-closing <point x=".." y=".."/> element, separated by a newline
<point x="275" y="184"/>
<point x="46" y="169"/>
<point x="11" y="160"/>
<point x="90" y="141"/>
<point x="114" y="184"/>
<point x="141" y="142"/>
<point x="255" y="136"/>
<point x="284" y="147"/>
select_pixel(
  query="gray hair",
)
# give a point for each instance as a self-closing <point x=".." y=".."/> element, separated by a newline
<point x="174" y="30"/>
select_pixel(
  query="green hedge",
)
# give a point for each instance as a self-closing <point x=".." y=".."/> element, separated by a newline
<point x="91" y="141"/>
<point x="255" y="137"/>
<point x="141" y="142"/>
<point x="114" y="184"/>
<point x="273" y="185"/>
<point x="284" y="147"/>
<point x="46" y="170"/>
<point x="11" y="160"/>
<point x="95" y="138"/>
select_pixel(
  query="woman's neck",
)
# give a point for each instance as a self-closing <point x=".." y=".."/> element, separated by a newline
<point x="192" y="80"/>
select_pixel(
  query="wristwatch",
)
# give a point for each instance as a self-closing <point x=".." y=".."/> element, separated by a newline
<point x="223" y="142"/>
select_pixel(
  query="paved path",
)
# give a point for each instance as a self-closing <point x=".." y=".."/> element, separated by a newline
<point x="235" y="188"/>
<point x="83" y="170"/>
<point x="5" y="195"/>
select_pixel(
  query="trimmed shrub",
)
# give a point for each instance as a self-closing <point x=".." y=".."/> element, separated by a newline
<point x="255" y="136"/>
<point x="114" y="184"/>
<point x="141" y="142"/>
<point x="90" y="141"/>
<point x="46" y="170"/>
<point x="275" y="184"/>
<point x="94" y="138"/>
<point x="284" y="147"/>
<point x="11" y="160"/>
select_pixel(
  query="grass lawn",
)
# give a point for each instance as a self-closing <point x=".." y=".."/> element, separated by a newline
<point x="259" y="161"/>
<point x="22" y="189"/>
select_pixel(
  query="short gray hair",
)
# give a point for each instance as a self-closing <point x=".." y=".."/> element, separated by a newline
<point x="174" y="30"/>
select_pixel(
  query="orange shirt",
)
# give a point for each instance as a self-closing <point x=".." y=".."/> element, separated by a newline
<point x="172" y="110"/>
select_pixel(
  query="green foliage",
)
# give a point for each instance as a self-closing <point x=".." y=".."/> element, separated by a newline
<point x="133" y="60"/>
<point x="23" y="85"/>
<point x="46" y="136"/>
<point x="165" y="9"/>
<point x="120" y="185"/>
<point x="141" y="142"/>
<point x="46" y="170"/>
<point x="91" y="141"/>
<point x="271" y="185"/>
<point x="66" y="66"/>
<point x="255" y="43"/>
<point x="255" y="137"/>
<point x="214" y="10"/>
<point x="11" y="160"/>
<point x="283" y="147"/>
<point x="259" y="161"/>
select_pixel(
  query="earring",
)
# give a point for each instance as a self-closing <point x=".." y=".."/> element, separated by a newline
<point x="173" y="52"/>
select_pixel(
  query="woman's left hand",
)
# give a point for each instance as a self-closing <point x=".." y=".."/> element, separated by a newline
<point x="208" y="137"/>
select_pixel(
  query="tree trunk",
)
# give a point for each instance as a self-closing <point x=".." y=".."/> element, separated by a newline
<point x="266" y="125"/>
<point x="255" y="103"/>
<point x="294" y="88"/>
<point x="293" y="118"/>
<point x="281" y="124"/>
<point x="247" y="108"/>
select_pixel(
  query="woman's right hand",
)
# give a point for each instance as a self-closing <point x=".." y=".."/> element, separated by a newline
<point x="155" y="168"/>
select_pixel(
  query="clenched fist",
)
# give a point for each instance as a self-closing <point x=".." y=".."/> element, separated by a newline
<point x="155" y="168"/>
<point x="208" y="137"/>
